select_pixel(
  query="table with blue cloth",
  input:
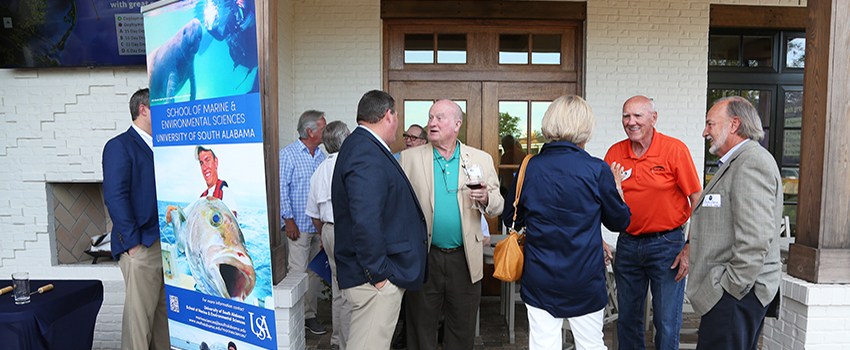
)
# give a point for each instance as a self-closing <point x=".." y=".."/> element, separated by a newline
<point x="62" y="318"/>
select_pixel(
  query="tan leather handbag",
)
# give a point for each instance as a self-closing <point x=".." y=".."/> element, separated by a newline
<point x="507" y="256"/>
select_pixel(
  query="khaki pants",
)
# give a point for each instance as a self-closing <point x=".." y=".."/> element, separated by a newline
<point x="341" y="308"/>
<point x="301" y="252"/>
<point x="374" y="314"/>
<point x="145" y="321"/>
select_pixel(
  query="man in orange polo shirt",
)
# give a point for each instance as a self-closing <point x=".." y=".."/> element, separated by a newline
<point x="661" y="186"/>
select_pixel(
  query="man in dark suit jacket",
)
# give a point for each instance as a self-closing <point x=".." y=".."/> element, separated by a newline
<point x="129" y="191"/>
<point x="735" y="268"/>
<point x="381" y="238"/>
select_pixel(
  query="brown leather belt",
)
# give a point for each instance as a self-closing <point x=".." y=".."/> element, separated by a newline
<point x="447" y="251"/>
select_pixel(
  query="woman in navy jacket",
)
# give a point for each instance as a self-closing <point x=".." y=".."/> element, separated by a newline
<point x="566" y="195"/>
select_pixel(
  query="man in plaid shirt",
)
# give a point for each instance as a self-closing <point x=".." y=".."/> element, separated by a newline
<point x="298" y="161"/>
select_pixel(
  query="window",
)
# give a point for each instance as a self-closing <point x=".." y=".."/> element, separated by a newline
<point x="795" y="51"/>
<point x="541" y="48"/>
<point x="449" y="48"/>
<point x="741" y="50"/>
<point x="754" y="65"/>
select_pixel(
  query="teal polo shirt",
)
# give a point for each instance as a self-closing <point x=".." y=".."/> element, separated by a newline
<point x="447" y="230"/>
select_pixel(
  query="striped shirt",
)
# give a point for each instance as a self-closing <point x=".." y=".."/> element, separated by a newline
<point x="296" y="168"/>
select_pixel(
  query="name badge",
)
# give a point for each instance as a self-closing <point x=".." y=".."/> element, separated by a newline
<point x="711" y="200"/>
<point x="474" y="172"/>
<point x="627" y="174"/>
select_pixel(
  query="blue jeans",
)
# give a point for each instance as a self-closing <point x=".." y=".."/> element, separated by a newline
<point x="642" y="261"/>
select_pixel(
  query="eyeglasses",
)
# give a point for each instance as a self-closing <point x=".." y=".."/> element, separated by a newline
<point x="414" y="138"/>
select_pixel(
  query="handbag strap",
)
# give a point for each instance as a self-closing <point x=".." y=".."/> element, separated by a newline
<point x="519" y="180"/>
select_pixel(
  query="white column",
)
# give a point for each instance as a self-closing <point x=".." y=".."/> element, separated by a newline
<point x="812" y="316"/>
<point x="289" y="311"/>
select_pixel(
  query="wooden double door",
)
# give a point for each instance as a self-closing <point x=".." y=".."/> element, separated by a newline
<point x="500" y="118"/>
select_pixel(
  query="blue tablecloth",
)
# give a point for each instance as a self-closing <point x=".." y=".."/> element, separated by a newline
<point x="62" y="318"/>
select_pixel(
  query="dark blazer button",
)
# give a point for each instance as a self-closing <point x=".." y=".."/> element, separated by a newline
<point x="425" y="241"/>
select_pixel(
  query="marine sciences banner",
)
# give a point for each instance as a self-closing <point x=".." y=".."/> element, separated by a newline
<point x="210" y="174"/>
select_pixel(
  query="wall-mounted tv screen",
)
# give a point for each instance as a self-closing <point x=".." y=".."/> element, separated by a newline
<point x="71" y="33"/>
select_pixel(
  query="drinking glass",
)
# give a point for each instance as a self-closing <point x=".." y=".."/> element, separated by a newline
<point x="474" y="180"/>
<point x="21" y="287"/>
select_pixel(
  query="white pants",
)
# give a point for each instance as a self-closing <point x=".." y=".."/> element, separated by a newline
<point x="544" y="330"/>
<point x="301" y="252"/>
<point x="341" y="308"/>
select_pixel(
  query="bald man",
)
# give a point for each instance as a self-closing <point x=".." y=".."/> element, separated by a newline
<point x="438" y="173"/>
<point x="661" y="186"/>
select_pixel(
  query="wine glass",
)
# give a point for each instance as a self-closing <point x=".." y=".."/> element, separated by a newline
<point x="474" y="181"/>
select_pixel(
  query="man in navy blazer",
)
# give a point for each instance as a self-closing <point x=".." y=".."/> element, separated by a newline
<point x="381" y="238"/>
<point x="129" y="191"/>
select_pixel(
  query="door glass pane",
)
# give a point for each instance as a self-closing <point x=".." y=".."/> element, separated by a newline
<point x="710" y="170"/>
<point x="419" y="48"/>
<point x="546" y="49"/>
<point x="761" y="101"/>
<point x="766" y="139"/>
<point x="790" y="210"/>
<point x="793" y="109"/>
<point x="724" y="50"/>
<point x="795" y="54"/>
<point x="759" y="98"/>
<point x="538" y="109"/>
<point x="790" y="182"/>
<point x="716" y="94"/>
<point x="416" y="112"/>
<point x="461" y="135"/>
<point x="710" y="159"/>
<point x="451" y="48"/>
<point x="513" y="48"/>
<point x="791" y="147"/>
<point x="513" y="126"/>
<point x="758" y="51"/>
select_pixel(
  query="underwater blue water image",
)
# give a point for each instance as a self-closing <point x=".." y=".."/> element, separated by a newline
<point x="254" y="225"/>
<point x="225" y="63"/>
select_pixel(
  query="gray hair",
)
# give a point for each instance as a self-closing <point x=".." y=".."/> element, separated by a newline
<point x="309" y="120"/>
<point x="333" y="135"/>
<point x="750" y="121"/>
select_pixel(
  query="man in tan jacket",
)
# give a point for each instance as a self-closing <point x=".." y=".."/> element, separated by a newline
<point x="455" y="184"/>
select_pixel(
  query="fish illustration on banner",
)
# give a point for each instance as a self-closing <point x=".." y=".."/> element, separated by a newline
<point x="208" y="233"/>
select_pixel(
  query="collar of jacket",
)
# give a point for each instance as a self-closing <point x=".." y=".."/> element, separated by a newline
<point x="560" y="146"/>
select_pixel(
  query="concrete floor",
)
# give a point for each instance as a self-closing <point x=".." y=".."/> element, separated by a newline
<point x="494" y="332"/>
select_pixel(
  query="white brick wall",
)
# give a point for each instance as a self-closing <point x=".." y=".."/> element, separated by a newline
<point x="653" y="48"/>
<point x="337" y="58"/>
<point x="812" y="316"/>
<point x="54" y="122"/>
<point x="286" y="71"/>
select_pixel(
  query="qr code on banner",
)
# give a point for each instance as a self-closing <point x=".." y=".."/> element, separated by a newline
<point x="174" y="303"/>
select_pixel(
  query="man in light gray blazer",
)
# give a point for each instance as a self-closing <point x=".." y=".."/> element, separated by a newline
<point x="735" y="267"/>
